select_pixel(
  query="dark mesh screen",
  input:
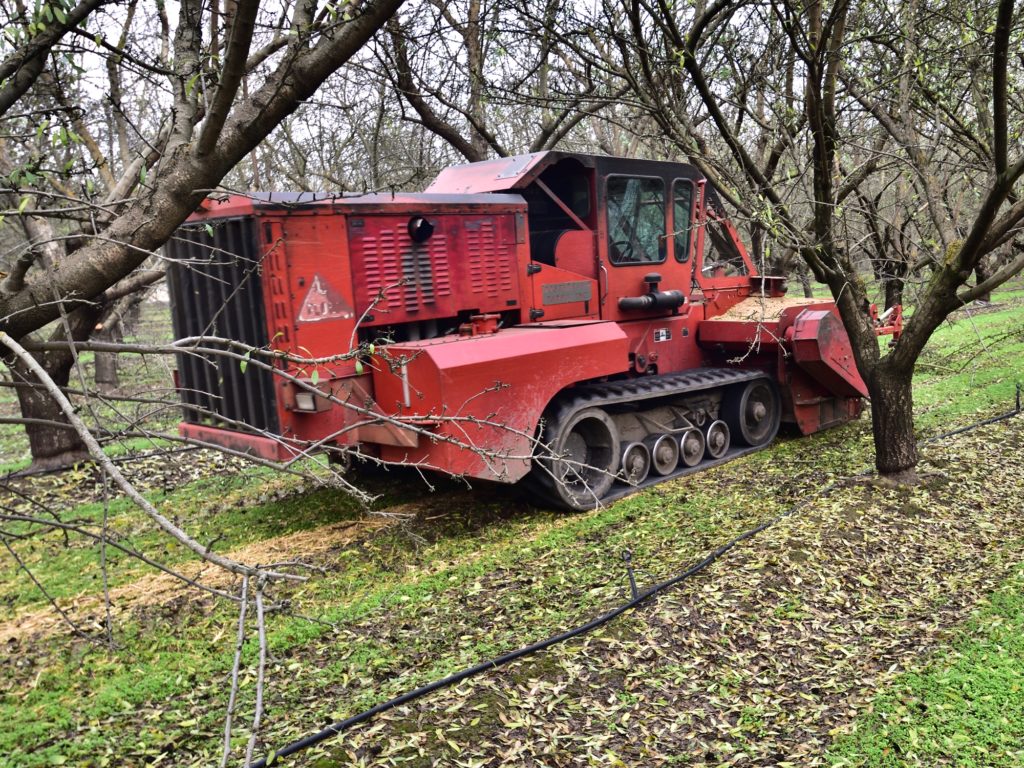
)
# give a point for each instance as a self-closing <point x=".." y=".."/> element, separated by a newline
<point x="216" y="290"/>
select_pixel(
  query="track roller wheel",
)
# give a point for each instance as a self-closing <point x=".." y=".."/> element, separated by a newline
<point x="753" y="412"/>
<point x="664" y="453"/>
<point x="636" y="463"/>
<point x="716" y="439"/>
<point x="691" y="447"/>
<point x="582" y="460"/>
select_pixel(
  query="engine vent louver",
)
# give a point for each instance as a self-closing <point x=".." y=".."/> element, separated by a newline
<point x="490" y="261"/>
<point x="215" y="282"/>
<point x="411" y="274"/>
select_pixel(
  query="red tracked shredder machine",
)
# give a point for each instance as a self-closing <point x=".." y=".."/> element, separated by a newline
<point x="585" y="325"/>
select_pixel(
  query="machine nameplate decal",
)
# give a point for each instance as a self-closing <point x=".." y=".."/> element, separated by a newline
<point x="323" y="302"/>
<point x="566" y="293"/>
<point x="662" y="334"/>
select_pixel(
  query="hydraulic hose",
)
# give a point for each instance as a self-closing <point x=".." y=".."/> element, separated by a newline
<point x="639" y="598"/>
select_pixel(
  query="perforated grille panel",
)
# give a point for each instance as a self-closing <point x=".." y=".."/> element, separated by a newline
<point x="468" y="264"/>
<point x="490" y="260"/>
<point x="391" y="257"/>
<point x="216" y="290"/>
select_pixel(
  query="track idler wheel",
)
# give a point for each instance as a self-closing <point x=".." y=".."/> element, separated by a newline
<point x="583" y="459"/>
<point x="716" y="439"/>
<point x="636" y="463"/>
<point x="664" y="453"/>
<point x="753" y="412"/>
<point x="691" y="447"/>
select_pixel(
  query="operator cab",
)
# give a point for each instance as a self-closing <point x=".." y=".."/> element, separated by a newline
<point x="616" y="238"/>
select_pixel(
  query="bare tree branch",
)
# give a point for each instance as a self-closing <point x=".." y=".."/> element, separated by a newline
<point x="116" y="475"/>
<point x="20" y="70"/>
<point x="242" y="25"/>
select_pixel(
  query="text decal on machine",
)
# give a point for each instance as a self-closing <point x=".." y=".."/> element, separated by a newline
<point x="662" y="334"/>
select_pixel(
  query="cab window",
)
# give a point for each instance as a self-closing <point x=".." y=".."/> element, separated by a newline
<point x="636" y="220"/>
<point x="682" y="207"/>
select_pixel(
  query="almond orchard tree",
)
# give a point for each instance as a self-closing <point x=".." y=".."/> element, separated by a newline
<point x="511" y="82"/>
<point x="117" y="121"/>
<point x="913" y="108"/>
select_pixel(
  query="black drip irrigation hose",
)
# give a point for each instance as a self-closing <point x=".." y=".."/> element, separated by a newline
<point x="639" y="597"/>
<point x="1001" y="417"/>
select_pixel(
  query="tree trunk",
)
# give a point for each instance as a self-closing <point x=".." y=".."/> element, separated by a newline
<point x="106" y="371"/>
<point x="805" y="283"/>
<point x="892" y="421"/>
<point x="893" y="292"/>
<point x="106" y="362"/>
<point x="982" y="272"/>
<point x="51" y="444"/>
<point x="131" y="318"/>
<point x="757" y="248"/>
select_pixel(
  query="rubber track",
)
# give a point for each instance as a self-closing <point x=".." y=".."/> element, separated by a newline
<point x="604" y="394"/>
<point x="649" y="387"/>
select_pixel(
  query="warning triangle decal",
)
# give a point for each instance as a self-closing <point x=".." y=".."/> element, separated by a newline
<point x="323" y="302"/>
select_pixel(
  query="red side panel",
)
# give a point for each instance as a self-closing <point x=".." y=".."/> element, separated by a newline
<point x="242" y="442"/>
<point x="665" y="344"/>
<point x="575" y="251"/>
<point x="489" y="391"/>
<point x="811" y="406"/>
<point x="308" y="290"/>
<point x="558" y="294"/>
<point x="307" y="286"/>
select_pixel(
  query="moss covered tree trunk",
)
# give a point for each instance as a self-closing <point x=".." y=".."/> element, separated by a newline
<point x="892" y="421"/>
<point x="51" y="441"/>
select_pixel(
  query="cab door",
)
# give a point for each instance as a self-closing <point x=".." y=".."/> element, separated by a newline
<point x="647" y="233"/>
<point x="648" y="241"/>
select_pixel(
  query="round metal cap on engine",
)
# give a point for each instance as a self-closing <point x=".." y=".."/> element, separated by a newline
<point x="716" y="439"/>
<point x="420" y="229"/>
<point x="636" y="463"/>
<point x="664" y="453"/>
<point x="691" y="447"/>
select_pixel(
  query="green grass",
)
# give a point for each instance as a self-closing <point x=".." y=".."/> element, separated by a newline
<point x="221" y="510"/>
<point x="964" y="708"/>
<point x="399" y="576"/>
<point x="165" y="687"/>
<point x="396" y="575"/>
<point x="970" y="368"/>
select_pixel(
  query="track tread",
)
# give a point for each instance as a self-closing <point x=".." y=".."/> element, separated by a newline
<point x="650" y="387"/>
<point x="602" y="394"/>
